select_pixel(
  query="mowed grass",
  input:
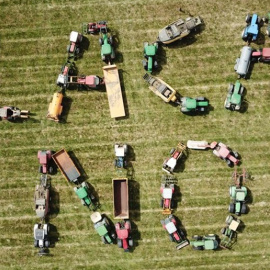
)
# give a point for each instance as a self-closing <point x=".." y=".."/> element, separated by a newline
<point x="33" y="39"/>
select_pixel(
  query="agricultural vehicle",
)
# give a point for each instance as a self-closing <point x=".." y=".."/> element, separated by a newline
<point x="94" y="27"/>
<point x="120" y="151"/>
<point x="107" y="50"/>
<point x="12" y="113"/>
<point x="242" y="63"/>
<point x="55" y="107"/>
<point x="90" y="81"/>
<point x="262" y="55"/>
<point x="41" y="237"/>
<point x="150" y="51"/>
<point x="199" y="104"/>
<point x="175" y="154"/>
<point x="206" y="242"/>
<point x="178" y="29"/>
<point x="45" y="160"/>
<point x="229" y="232"/>
<point x="67" y="70"/>
<point x="123" y="230"/>
<point x="234" y="97"/>
<point x="238" y="194"/>
<point x="103" y="228"/>
<point x="162" y="89"/>
<point x="251" y="31"/>
<point x="73" y="48"/>
<point x="219" y="149"/>
<point x="86" y="197"/>
<point x="167" y="190"/>
<point x="42" y="197"/>
<point x="267" y="19"/>
<point x="175" y="234"/>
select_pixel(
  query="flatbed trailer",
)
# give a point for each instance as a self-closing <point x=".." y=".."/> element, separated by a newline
<point x="66" y="165"/>
<point x="114" y="93"/>
<point x="120" y="198"/>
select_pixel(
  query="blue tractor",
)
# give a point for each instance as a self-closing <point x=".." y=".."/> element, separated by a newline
<point x="251" y="31"/>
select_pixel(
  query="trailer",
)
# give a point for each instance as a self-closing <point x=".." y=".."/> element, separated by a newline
<point x="55" y="107"/>
<point x="114" y="93"/>
<point x="66" y="165"/>
<point x="120" y="198"/>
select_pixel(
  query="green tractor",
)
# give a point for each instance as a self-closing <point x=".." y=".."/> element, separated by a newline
<point x="206" y="242"/>
<point x="107" y="50"/>
<point x="189" y="105"/>
<point x="87" y="198"/>
<point x="234" y="97"/>
<point x="150" y="51"/>
<point x="104" y="228"/>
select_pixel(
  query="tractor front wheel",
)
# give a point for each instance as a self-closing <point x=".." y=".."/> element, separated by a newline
<point x="232" y="208"/>
<point x="130" y="242"/>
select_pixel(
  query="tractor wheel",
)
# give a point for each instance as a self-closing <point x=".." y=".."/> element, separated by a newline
<point x="242" y="89"/>
<point x="243" y="35"/>
<point x="111" y="40"/>
<point x="236" y="155"/>
<point x="101" y="41"/>
<point x="119" y="243"/>
<point x="268" y="33"/>
<point x="200" y="98"/>
<point x="50" y="170"/>
<point x="229" y="219"/>
<point x="40" y="170"/>
<point x="232" y="208"/>
<point x="171" y="238"/>
<point x="248" y="18"/>
<point x="229" y="163"/>
<point x="129" y="224"/>
<point x="92" y="197"/>
<point x="259" y="20"/>
<point x="103" y="239"/>
<point x="172" y="151"/>
<point x="161" y="203"/>
<point x="196" y="237"/>
<point x="47" y="243"/>
<point x="230" y="89"/>
<point x="198" y="248"/>
<point x="223" y="230"/>
<point x="113" y="235"/>
<point x="130" y="242"/>
<point x="172" y="204"/>
<point x="244" y="208"/>
<point x="35" y="243"/>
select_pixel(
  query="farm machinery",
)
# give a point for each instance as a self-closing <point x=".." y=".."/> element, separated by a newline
<point x="41" y="237"/>
<point x="42" y="197"/>
<point x="238" y="194"/>
<point x="267" y="20"/>
<point x="178" y="29"/>
<point x="219" y="149"/>
<point x="166" y="191"/>
<point x="120" y="151"/>
<point x="67" y="70"/>
<point x="12" y="113"/>
<point x="94" y="27"/>
<point x="206" y="242"/>
<point x="45" y="161"/>
<point x="55" y="107"/>
<point x="86" y="197"/>
<point x="175" y="234"/>
<point x="176" y="153"/>
<point x="103" y="228"/>
<point x="251" y="31"/>
<point x="73" y="48"/>
<point x="107" y="50"/>
<point x="262" y="55"/>
<point x="229" y="232"/>
<point x="234" y="97"/>
<point x="123" y="230"/>
<point x="242" y="63"/>
<point x="149" y="52"/>
<point x="188" y="104"/>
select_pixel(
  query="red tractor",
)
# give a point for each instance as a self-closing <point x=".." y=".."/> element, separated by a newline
<point x="73" y="48"/>
<point x="167" y="190"/>
<point x="90" y="81"/>
<point x="94" y="27"/>
<point x="45" y="160"/>
<point x="124" y="239"/>
<point x="262" y="55"/>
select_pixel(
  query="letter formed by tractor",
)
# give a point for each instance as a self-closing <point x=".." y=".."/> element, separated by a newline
<point x="206" y="242"/>
<point x="238" y="194"/>
<point x="229" y="232"/>
<point x="12" y="113"/>
<point x="150" y="52"/>
<point x="86" y="197"/>
<point x="123" y="231"/>
<point x="103" y="228"/>
<point x="189" y="105"/>
<point x="121" y="151"/>
<point x="45" y="161"/>
<point x="94" y="27"/>
<point x="251" y="31"/>
<point x="176" y="153"/>
<point x="73" y="48"/>
<point x="234" y="97"/>
<point x="41" y="237"/>
<point x="167" y="190"/>
<point x="42" y="197"/>
<point x="175" y="234"/>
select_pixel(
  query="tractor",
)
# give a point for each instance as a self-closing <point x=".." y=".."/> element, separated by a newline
<point x="229" y="232"/>
<point x="86" y="197"/>
<point x="103" y="228"/>
<point x="150" y="51"/>
<point x="176" y="153"/>
<point x="267" y="19"/>
<point x="45" y="161"/>
<point x="262" y="55"/>
<point x="175" y="234"/>
<point x="199" y="104"/>
<point x="167" y="190"/>
<point x="12" y="113"/>
<point x="120" y="151"/>
<point x="123" y="230"/>
<point x="67" y="70"/>
<point x="251" y="31"/>
<point x="107" y="50"/>
<point x="41" y="237"/>
<point x="206" y="242"/>
<point x="238" y="194"/>
<point x="89" y="81"/>
<point x="42" y="197"/>
<point x="94" y="27"/>
<point x="234" y="97"/>
<point x="73" y="48"/>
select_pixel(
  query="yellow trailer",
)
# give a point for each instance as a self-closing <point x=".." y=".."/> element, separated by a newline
<point x="55" y="107"/>
<point x="113" y="88"/>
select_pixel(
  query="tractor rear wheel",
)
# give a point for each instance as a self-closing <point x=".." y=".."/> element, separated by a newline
<point x="223" y="230"/>
<point x="100" y="40"/>
<point x="161" y="203"/>
<point x="236" y="155"/>
<point x="40" y="170"/>
<point x="119" y="243"/>
<point x="103" y="239"/>
<point x="248" y="18"/>
<point x="47" y="243"/>
<point x="196" y="237"/>
<point x="172" y="204"/>
<point x="230" y="89"/>
<point x="172" y="151"/>
<point x="35" y="243"/>
<point x="232" y="208"/>
<point x="130" y="242"/>
<point x="244" y="208"/>
<point x="241" y="92"/>
<point x="171" y="238"/>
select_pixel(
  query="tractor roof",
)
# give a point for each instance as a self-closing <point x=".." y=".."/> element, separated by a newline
<point x="236" y="98"/>
<point x="167" y="193"/>
<point x="39" y="234"/>
<point x="150" y="50"/>
<point x="122" y="233"/>
<point x="191" y="103"/>
<point x="73" y="36"/>
<point x="171" y="162"/>
<point x="106" y="49"/>
<point x="266" y="52"/>
<point x="119" y="150"/>
<point x="209" y="244"/>
<point x="170" y="227"/>
<point x="81" y="192"/>
<point x="102" y="230"/>
<point x="240" y="195"/>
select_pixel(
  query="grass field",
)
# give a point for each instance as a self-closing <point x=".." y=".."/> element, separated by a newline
<point x="33" y="39"/>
